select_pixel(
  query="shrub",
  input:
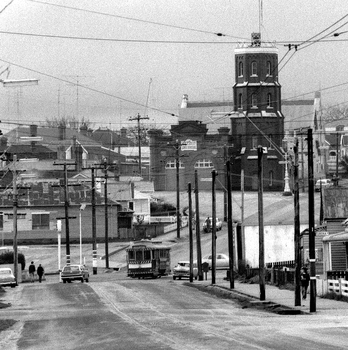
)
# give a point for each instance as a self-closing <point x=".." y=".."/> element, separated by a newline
<point x="335" y="296"/>
<point x="7" y="258"/>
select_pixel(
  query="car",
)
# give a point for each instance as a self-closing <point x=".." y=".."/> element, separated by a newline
<point x="207" y="224"/>
<point x="182" y="270"/>
<point x="7" y="278"/>
<point x="75" y="272"/>
<point x="322" y="183"/>
<point x="222" y="261"/>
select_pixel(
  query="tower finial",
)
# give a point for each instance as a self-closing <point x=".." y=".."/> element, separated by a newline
<point x="260" y="15"/>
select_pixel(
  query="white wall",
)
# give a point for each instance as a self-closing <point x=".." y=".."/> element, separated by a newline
<point x="278" y="243"/>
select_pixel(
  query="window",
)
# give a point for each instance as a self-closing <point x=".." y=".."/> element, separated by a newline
<point x="40" y="221"/>
<point x="254" y="141"/>
<point x="1" y="221"/>
<point x="253" y="100"/>
<point x="19" y="215"/>
<point x="253" y="68"/>
<point x="240" y="69"/>
<point x="269" y="100"/>
<point x="172" y="164"/>
<point x="138" y="255"/>
<point x="270" y="179"/>
<point x="204" y="163"/>
<point x="147" y="254"/>
<point x="269" y="68"/>
<point x="131" y="255"/>
<point x="240" y="101"/>
<point x="270" y="139"/>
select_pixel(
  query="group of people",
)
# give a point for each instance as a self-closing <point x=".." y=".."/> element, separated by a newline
<point x="32" y="269"/>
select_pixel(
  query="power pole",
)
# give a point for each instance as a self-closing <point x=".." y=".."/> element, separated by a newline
<point x="15" y="230"/>
<point x="337" y="150"/>
<point x="261" y="228"/>
<point x="106" y="215"/>
<point x="94" y="227"/>
<point x="213" y="231"/>
<point x="177" y="163"/>
<point x="190" y="230"/>
<point x="230" y="224"/>
<point x="297" y="229"/>
<point x="198" y="231"/>
<point x="311" y="229"/>
<point x="226" y="182"/>
<point x="138" y="118"/>
<point x="66" y="208"/>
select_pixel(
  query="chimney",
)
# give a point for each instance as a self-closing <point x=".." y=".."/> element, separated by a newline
<point x="78" y="157"/>
<point x="33" y="130"/>
<point x="123" y="132"/>
<point x="83" y="129"/>
<point x="184" y="101"/>
<point x="62" y="132"/>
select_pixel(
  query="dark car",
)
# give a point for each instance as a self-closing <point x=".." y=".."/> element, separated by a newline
<point x="75" y="272"/>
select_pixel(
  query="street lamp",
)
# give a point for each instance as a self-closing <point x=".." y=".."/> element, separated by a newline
<point x="82" y="207"/>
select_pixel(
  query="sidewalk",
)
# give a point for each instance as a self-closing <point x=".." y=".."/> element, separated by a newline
<point x="283" y="297"/>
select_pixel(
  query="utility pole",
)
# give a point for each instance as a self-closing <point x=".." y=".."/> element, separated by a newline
<point x="15" y="229"/>
<point x="311" y="228"/>
<point x="213" y="231"/>
<point x="138" y="118"/>
<point x="337" y="150"/>
<point x="106" y="215"/>
<point x="297" y="229"/>
<point x="230" y="224"/>
<point x="190" y="230"/>
<point x="261" y="228"/>
<point x="94" y="227"/>
<point x="198" y="231"/>
<point x="177" y="163"/>
<point x="225" y="192"/>
<point x="66" y="208"/>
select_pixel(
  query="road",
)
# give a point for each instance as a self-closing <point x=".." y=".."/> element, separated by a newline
<point x="113" y="311"/>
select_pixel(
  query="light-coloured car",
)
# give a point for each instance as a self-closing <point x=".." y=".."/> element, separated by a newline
<point x="182" y="270"/>
<point x="75" y="272"/>
<point x="208" y="224"/>
<point x="7" y="278"/>
<point x="222" y="261"/>
<point x="322" y="183"/>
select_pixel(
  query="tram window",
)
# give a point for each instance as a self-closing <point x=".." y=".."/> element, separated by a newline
<point x="131" y="255"/>
<point x="164" y="253"/>
<point x="155" y="254"/>
<point x="139" y="255"/>
<point x="147" y="254"/>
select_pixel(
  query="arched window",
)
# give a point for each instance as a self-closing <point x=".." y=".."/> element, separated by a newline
<point x="269" y="100"/>
<point x="240" y="101"/>
<point x="171" y="164"/>
<point x="240" y="69"/>
<point x="253" y="68"/>
<point x="269" y="68"/>
<point x="254" y="141"/>
<point x="270" y="179"/>
<point x="204" y="163"/>
<point x="270" y="140"/>
<point x="253" y="100"/>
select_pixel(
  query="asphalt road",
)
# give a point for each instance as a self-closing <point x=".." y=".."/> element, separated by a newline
<point x="113" y="311"/>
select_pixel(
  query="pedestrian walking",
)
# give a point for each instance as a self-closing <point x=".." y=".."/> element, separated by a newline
<point x="40" y="271"/>
<point x="304" y="281"/>
<point x="32" y="270"/>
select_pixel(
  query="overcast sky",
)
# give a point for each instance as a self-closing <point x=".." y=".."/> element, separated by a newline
<point x="141" y="68"/>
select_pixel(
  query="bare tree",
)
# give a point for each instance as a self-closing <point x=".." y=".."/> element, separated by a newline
<point x="332" y="113"/>
<point x="68" y="122"/>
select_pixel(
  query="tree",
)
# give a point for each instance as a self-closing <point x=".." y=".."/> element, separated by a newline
<point x="332" y="113"/>
<point x="69" y="122"/>
<point x="7" y="258"/>
<point x="344" y="163"/>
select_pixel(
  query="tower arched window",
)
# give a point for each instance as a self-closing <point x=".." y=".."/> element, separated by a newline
<point x="269" y="100"/>
<point x="270" y="140"/>
<point x="254" y="68"/>
<point x="240" y="69"/>
<point x="253" y="100"/>
<point x="269" y="68"/>
<point x="240" y="101"/>
<point x="254" y="141"/>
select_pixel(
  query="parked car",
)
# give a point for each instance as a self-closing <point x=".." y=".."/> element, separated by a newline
<point x="7" y="278"/>
<point x="182" y="270"/>
<point x="222" y="261"/>
<point x="322" y="183"/>
<point x="75" y="272"/>
<point x="207" y="224"/>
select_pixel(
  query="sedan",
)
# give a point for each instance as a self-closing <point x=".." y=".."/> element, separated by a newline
<point x="182" y="270"/>
<point x="75" y="272"/>
<point x="7" y="278"/>
<point x="222" y="261"/>
<point x="207" y="225"/>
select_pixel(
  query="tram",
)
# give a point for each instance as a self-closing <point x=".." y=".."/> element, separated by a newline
<point x="148" y="259"/>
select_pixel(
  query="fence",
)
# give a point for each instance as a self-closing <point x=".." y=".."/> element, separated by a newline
<point x="338" y="286"/>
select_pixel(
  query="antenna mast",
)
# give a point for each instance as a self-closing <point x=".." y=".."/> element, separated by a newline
<point x="260" y="15"/>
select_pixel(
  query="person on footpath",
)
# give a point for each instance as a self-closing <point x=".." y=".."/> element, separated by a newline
<point x="32" y="270"/>
<point x="304" y="281"/>
<point x="40" y="271"/>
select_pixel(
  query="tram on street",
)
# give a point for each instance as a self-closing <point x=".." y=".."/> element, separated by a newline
<point x="148" y="259"/>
